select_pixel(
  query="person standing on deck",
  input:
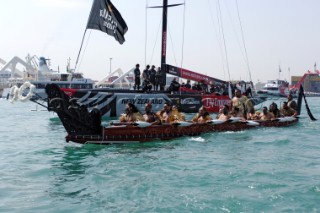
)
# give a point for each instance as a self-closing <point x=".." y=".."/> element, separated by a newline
<point x="146" y="73"/>
<point x="137" y="79"/>
<point x="158" y="79"/>
<point x="152" y="76"/>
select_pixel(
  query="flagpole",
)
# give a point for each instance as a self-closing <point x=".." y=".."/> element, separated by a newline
<point x="84" y="34"/>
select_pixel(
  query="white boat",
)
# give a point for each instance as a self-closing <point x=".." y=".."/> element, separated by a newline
<point x="42" y="76"/>
<point x="275" y="88"/>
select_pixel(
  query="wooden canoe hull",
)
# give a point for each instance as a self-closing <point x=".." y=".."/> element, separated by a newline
<point x="134" y="134"/>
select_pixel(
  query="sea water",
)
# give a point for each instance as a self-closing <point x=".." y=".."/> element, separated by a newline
<point x="260" y="170"/>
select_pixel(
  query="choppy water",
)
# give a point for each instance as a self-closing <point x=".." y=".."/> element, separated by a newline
<point x="263" y="170"/>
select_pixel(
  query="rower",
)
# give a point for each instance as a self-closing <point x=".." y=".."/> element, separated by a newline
<point x="287" y="111"/>
<point x="131" y="114"/>
<point x="237" y="113"/>
<point x="166" y="115"/>
<point x="178" y="116"/>
<point x="291" y="103"/>
<point x="224" y="116"/>
<point x="241" y="101"/>
<point x="150" y="116"/>
<point x="202" y="116"/>
<point x="273" y="108"/>
<point x="266" y="115"/>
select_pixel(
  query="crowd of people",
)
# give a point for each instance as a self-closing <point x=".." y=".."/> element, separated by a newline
<point x="240" y="108"/>
<point x="152" y="78"/>
<point x="168" y="114"/>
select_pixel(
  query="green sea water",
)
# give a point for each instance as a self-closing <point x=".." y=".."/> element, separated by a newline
<point x="261" y="170"/>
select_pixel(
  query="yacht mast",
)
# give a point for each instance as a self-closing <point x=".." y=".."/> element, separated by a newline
<point x="164" y="42"/>
<point x="164" y="39"/>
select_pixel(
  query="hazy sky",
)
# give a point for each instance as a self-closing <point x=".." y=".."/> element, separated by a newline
<point x="283" y="33"/>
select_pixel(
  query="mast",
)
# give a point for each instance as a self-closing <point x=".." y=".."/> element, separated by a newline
<point x="164" y="39"/>
<point x="164" y="43"/>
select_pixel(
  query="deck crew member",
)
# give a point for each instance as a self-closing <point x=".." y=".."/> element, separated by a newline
<point x="146" y="72"/>
<point x="131" y="114"/>
<point x="150" y="116"/>
<point x="158" y="79"/>
<point x="152" y="76"/>
<point x="137" y="80"/>
<point x="202" y="116"/>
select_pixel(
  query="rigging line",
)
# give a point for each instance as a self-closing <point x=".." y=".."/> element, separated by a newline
<point x="174" y="55"/>
<point x="85" y="49"/>
<point x="146" y="34"/>
<point x="220" y="41"/>
<point x="218" y="34"/>
<point x="224" y="40"/>
<point x="84" y="34"/>
<point x="183" y="31"/>
<point x="244" y="44"/>
<point x="236" y="36"/>
<point x="154" y="46"/>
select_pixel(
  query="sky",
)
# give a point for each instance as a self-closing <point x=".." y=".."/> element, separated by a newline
<point x="202" y="36"/>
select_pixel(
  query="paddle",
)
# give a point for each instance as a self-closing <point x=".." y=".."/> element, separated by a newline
<point x="215" y="121"/>
<point x="307" y="107"/>
<point x="181" y="123"/>
<point x="140" y="124"/>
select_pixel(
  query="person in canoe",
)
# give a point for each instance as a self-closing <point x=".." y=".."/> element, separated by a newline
<point x="202" y="116"/>
<point x="241" y="101"/>
<point x="291" y="103"/>
<point x="178" y="116"/>
<point x="131" y="114"/>
<point x="273" y="108"/>
<point x="224" y="116"/>
<point x="166" y="114"/>
<point x="253" y="115"/>
<point x="287" y="111"/>
<point x="150" y="116"/>
<point x="237" y="113"/>
<point x="266" y="115"/>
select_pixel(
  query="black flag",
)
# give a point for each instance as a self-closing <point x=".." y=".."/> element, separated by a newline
<point x="106" y="18"/>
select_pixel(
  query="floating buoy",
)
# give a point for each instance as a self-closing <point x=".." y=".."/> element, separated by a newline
<point x="23" y="87"/>
<point x="13" y="94"/>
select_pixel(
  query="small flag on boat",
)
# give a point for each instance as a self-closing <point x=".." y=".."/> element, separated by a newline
<point x="106" y="18"/>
